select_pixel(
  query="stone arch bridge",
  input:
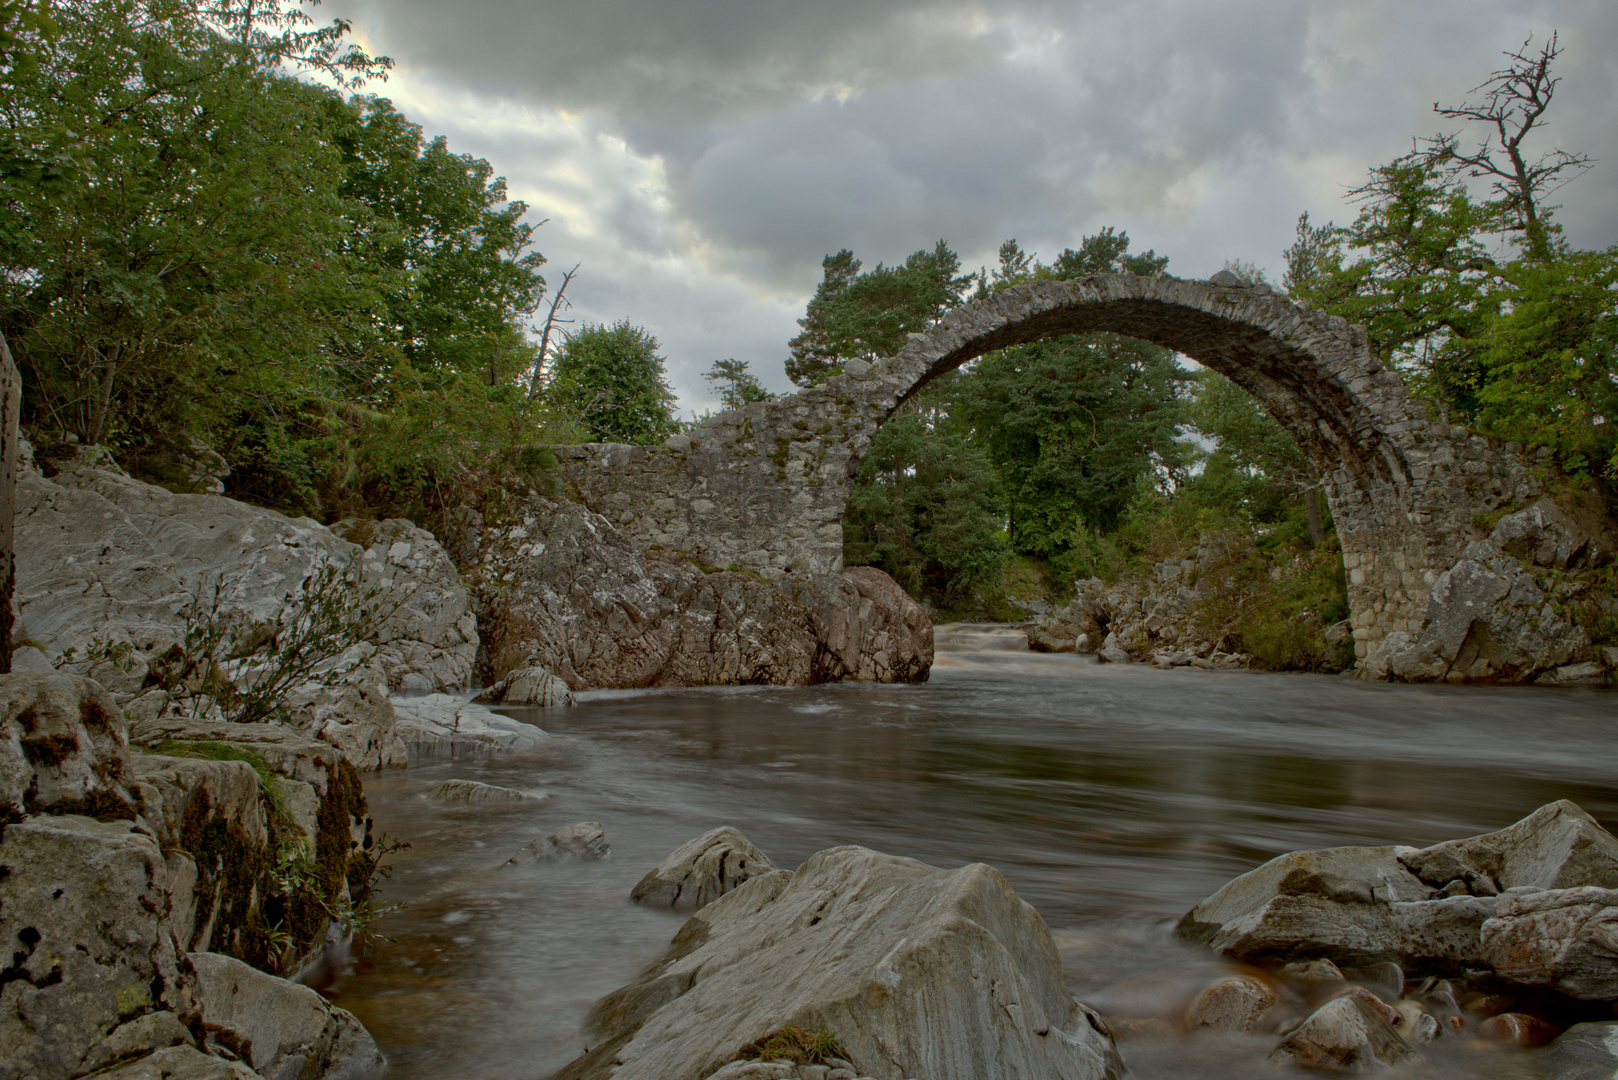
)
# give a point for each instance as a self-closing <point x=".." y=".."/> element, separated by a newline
<point x="764" y="488"/>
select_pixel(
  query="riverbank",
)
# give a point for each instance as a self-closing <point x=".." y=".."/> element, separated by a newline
<point x="1113" y="797"/>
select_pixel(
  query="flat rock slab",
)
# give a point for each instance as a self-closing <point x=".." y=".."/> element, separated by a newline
<point x="470" y="792"/>
<point x="916" y="971"/>
<point x="443" y="724"/>
<point x="702" y="870"/>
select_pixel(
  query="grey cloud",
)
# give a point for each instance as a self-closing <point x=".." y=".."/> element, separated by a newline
<point x="680" y="63"/>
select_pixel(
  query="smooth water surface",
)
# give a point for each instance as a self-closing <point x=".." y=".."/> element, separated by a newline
<point x="1113" y="797"/>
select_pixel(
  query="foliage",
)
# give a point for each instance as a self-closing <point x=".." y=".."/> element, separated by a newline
<point x="795" y="1044"/>
<point x="612" y="378"/>
<point x="925" y="506"/>
<point x="1276" y="609"/>
<point x="246" y="668"/>
<point x="738" y="386"/>
<point x="1521" y="347"/>
<point x="869" y="315"/>
<point x="197" y="247"/>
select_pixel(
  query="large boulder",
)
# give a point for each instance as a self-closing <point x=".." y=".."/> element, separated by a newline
<point x="1347" y="1034"/>
<point x="865" y="626"/>
<point x="286" y="1031"/>
<point x="81" y="909"/>
<point x="700" y="871"/>
<point x="100" y="555"/>
<point x="916" y="972"/>
<point x="1533" y="904"/>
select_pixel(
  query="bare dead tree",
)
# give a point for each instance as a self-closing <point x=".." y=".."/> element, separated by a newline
<point x="1514" y="100"/>
<point x="558" y="302"/>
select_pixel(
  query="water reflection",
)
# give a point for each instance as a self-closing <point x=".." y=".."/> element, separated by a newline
<point x="1112" y="797"/>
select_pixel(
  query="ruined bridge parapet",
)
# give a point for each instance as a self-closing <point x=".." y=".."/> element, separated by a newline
<point x="764" y="488"/>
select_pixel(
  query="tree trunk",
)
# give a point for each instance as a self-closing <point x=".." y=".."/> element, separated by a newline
<point x="10" y="408"/>
<point x="1311" y="509"/>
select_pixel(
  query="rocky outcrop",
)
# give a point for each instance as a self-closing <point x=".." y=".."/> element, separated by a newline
<point x="915" y="971"/>
<point x="560" y="589"/>
<point x="102" y="555"/>
<point x="1501" y="612"/>
<point x="472" y="793"/>
<point x="114" y="864"/>
<point x="528" y="686"/>
<point x="1531" y="906"/>
<point x="702" y="870"/>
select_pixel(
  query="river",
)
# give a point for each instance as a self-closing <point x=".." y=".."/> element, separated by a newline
<point x="1113" y="797"/>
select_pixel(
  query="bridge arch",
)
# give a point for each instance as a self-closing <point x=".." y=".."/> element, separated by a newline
<point x="764" y="488"/>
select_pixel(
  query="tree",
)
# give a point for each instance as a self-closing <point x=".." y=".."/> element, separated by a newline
<point x="1522" y="347"/>
<point x="869" y="315"/>
<point x="925" y="506"/>
<point x="738" y="386"/>
<point x="466" y="281"/>
<point x="1072" y="423"/>
<point x="612" y="377"/>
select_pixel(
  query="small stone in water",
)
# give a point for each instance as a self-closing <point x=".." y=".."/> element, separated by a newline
<point x="1312" y="972"/>
<point x="1237" y="1003"/>
<point x="1518" y="1029"/>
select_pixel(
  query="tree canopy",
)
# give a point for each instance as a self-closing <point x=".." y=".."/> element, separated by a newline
<point x="613" y="379"/>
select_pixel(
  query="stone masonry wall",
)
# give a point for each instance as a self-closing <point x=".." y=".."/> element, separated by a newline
<point x="764" y="488"/>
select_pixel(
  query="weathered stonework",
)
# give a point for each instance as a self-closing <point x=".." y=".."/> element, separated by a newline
<point x="764" y="488"/>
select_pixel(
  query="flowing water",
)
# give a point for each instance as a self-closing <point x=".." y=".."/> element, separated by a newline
<point x="1114" y="797"/>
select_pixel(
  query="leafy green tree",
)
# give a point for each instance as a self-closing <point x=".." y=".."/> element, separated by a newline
<point x="869" y="315"/>
<point x="738" y="386"/>
<point x="925" y="506"/>
<point x="1072" y="423"/>
<point x="1521" y="347"/>
<point x="458" y="248"/>
<point x="613" y="379"/>
<point x="1255" y="472"/>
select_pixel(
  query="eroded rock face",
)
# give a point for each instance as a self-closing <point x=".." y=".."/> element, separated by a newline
<point x="102" y="555"/>
<point x="63" y="747"/>
<point x="562" y="590"/>
<point x="917" y="971"/>
<point x="81" y="903"/>
<point x="701" y="871"/>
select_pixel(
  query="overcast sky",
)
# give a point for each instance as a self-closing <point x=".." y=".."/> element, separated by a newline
<point x="699" y="158"/>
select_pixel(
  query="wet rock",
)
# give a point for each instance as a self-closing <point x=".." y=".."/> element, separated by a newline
<point x="1425" y="909"/>
<point x="1237" y="1003"/>
<point x="1311" y="973"/>
<point x="63" y="747"/>
<point x="702" y="870"/>
<point x="561" y="588"/>
<point x="866" y="628"/>
<point x="585" y="840"/>
<point x="1584" y="1052"/>
<point x="443" y="724"/>
<point x="1562" y="939"/>
<point x="1346" y="1035"/>
<point x="285" y="1031"/>
<point x="1517" y="1029"/>
<point x="1416" y="1025"/>
<point x="529" y="686"/>
<point x="916" y="971"/>
<point x="470" y="792"/>
<point x="356" y="717"/>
